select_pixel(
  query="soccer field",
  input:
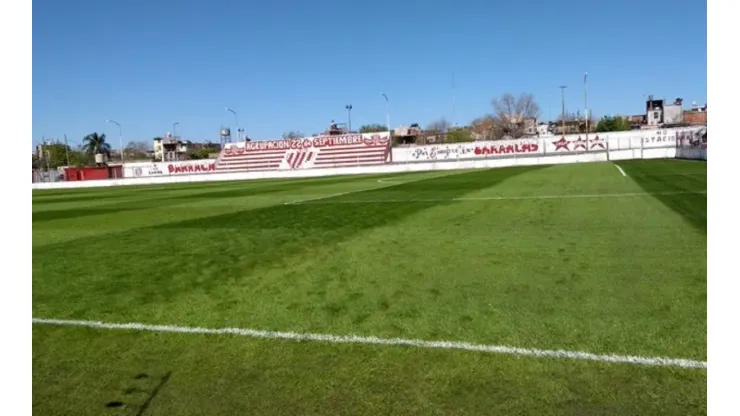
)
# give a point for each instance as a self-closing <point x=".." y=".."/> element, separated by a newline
<point x="569" y="289"/>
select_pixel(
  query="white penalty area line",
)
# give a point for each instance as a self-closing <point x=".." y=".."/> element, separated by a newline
<point x="620" y="170"/>
<point x="354" y="339"/>
<point x="325" y="200"/>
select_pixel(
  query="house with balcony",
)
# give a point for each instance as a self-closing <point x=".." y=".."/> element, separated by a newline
<point x="170" y="148"/>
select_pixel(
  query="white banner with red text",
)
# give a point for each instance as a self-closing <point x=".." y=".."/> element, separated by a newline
<point x="187" y="167"/>
<point x="594" y="142"/>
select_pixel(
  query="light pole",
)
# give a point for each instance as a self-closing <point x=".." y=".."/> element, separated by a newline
<point x="66" y="148"/>
<point x="349" y="117"/>
<point x="238" y="130"/>
<point x="585" y="99"/>
<point x="562" y="97"/>
<point x="174" y="128"/>
<point x="387" y="111"/>
<point x="120" y="135"/>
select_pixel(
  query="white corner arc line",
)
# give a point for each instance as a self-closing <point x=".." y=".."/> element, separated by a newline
<point x="354" y="339"/>
<point x="620" y="170"/>
<point x="498" y="198"/>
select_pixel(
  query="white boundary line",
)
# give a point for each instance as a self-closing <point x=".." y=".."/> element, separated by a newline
<point x="354" y="339"/>
<point x="495" y="198"/>
<point x="620" y="170"/>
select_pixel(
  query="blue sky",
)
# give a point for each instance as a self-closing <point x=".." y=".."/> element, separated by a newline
<point x="293" y="65"/>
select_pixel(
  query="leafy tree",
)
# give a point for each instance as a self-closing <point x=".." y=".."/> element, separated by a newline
<point x="458" y="136"/>
<point x="200" y="154"/>
<point x="95" y="143"/>
<point x="613" y="124"/>
<point x="137" y="150"/>
<point x="439" y="126"/>
<point x="511" y="114"/>
<point x="484" y="127"/>
<point x="373" y="128"/>
<point x="55" y="155"/>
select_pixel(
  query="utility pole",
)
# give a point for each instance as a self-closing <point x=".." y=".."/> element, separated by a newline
<point x="585" y="99"/>
<point x="120" y="135"/>
<point x="349" y="117"/>
<point x="45" y="153"/>
<point x="66" y="148"/>
<point x="387" y="111"/>
<point x="238" y="129"/>
<point x="562" y="97"/>
<point x="454" y="121"/>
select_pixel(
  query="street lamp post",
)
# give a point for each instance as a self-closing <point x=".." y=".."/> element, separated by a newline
<point x="120" y="135"/>
<point x="387" y="111"/>
<point x="585" y="99"/>
<point x="562" y="97"/>
<point x="174" y="128"/>
<point x="349" y="117"/>
<point x="238" y="130"/>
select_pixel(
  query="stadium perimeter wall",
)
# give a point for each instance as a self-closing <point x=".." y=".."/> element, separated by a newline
<point x="420" y="166"/>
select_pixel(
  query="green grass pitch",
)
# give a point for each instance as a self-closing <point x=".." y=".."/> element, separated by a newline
<point x="567" y="257"/>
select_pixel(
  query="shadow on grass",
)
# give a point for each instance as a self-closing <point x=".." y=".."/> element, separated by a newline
<point x="662" y="177"/>
<point x="56" y="196"/>
<point x="158" y="263"/>
<point x="234" y="190"/>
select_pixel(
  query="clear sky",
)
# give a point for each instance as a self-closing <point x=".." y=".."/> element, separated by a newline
<point x="294" y="64"/>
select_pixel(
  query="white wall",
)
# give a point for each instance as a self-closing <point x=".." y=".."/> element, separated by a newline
<point x="625" y="145"/>
<point x="146" y="169"/>
<point x="572" y="143"/>
<point x="390" y="168"/>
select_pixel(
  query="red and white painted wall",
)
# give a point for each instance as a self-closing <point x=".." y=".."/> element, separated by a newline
<point x="628" y="142"/>
<point x="371" y="154"/>
<point x="316" y="152"/>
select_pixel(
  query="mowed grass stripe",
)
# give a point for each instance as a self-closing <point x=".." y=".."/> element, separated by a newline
<point x="214" y="249"/>
<point x="173" y="198"/>
<point x="661" y="175"/>
<point x="625" y="276"/>
<point x="140" y="210"/>
<point x="55" y="196"/>
<point x="538" y="273"/>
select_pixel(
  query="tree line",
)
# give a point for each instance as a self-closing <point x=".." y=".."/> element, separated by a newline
<point x="512" y="117"/>
<point x="56" y="154"/>
<point x="508" y="120"/>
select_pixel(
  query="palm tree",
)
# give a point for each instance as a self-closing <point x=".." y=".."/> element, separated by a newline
<point x="94" y="143"/>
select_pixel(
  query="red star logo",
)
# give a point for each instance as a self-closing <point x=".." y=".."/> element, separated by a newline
<point x="580" y="143"/>
<point x="561" y="144"/>
<point x="597" y="142"/>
